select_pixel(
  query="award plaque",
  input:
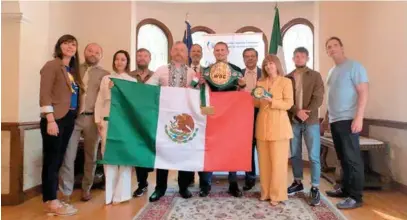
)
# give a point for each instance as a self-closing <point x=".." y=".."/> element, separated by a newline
<point x="260" y="92"/>
<point x="221" y="76"/>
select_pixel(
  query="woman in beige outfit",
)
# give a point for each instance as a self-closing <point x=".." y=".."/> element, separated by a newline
<point x="273" y="131"/>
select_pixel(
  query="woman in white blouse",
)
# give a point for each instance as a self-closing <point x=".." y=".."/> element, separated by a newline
<point x="118" y="178"/>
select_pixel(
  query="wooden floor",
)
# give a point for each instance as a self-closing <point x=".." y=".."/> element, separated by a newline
<point x="389" y="205"/>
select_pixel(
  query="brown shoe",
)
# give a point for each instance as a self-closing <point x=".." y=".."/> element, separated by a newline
<point x="86" y="196"/>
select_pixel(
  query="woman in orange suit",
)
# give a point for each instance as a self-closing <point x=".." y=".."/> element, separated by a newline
<point x="273" y="130"/>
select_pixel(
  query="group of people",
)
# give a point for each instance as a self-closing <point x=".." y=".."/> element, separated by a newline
<point x="75" y="101"/>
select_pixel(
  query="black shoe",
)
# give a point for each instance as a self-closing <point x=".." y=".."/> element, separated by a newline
<point x="315" y="197"/>
<point x="157" y="194"/>
<point x="349" y="203"/>
<point x="192" y="182"/>
<point x="249" y="184"/>
<point x="186" y="194"/>
<point x="337" y="193"/>
<point x="140" y="190"/>
<point x="203" y="193"/>
<point x="294" y="188"/>
<point x="234" y="190"/>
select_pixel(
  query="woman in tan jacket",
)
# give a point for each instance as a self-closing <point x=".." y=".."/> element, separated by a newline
<point x="273" y="131"/>
<point x="61" y="95"/>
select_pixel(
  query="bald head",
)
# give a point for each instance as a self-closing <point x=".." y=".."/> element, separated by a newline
<point x="93" y="54"/>
<point x="179" y="52"/>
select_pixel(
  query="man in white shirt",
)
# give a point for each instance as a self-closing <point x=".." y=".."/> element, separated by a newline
<point x="174" y="74"/>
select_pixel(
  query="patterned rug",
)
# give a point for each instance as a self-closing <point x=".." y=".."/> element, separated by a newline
<point x="220" y="205"/>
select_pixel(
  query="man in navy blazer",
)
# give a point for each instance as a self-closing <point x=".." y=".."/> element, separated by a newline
<point x="251" y="75"/>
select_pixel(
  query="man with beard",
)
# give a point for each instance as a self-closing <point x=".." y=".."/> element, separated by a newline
<point x="174" y="74"/>
<point x="92" y="75"/>
<point x="231" y="79"/>
<point x="142" y="74"/>
<point x="308" y="96"/>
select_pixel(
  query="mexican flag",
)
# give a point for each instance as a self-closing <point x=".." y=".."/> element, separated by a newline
<point x="276" y="41"/>
<point x="163" y="127"/>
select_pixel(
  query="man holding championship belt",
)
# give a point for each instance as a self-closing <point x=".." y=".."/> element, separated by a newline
<point x="224" y="76"/>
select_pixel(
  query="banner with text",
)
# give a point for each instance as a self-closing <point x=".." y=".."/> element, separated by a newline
<point x="237" y="44"/>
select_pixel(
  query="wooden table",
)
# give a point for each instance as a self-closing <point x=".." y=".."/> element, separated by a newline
<point x="333" y="174"/>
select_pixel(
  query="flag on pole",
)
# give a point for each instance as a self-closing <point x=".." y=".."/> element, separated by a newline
<point x="163" y="128"/>
<point x="188" y="39"/>
<point x="276" y="41"/>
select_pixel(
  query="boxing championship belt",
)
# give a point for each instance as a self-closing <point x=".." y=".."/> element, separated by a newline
<point x="221" y="76"/>
<point x="261" y="93"/>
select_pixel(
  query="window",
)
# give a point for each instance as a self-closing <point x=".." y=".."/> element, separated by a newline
<point x="298" y="32"/>
<point x="197" y="38"/>
<point x="155" y="37"/>
<point x="251" y="30"/>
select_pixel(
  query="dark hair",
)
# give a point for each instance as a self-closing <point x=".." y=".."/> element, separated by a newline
<point x="74" y="62"/>
<point x="250" y="49"/>
<point x="126" y="54"/>
<point x="197" y="45"/>
<point x="143" y="50"/>
<point x="334" y="38"/>
<point x="301" y="50"/>
<point x="222" y="43"/>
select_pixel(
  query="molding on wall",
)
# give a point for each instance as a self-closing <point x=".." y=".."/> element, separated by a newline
<point x="32" y="192"/>
<point x="17" y="130"/>
<point x="14" y="17"/>
<point x="399" y="186"/>
<point x="202" y="28"/>
<point x="386" y="123"/>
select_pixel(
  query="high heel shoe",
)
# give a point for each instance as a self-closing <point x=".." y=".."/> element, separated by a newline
<point x="273" y="203"/>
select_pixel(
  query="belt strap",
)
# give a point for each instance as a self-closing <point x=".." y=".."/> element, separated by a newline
<point x="87" y="113"/>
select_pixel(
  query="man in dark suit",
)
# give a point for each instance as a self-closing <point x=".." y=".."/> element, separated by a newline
<point x="251" y="75"/>
<point x="205" y="178"/>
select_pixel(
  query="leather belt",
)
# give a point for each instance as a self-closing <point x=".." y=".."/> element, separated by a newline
<point x="87" y="113"/>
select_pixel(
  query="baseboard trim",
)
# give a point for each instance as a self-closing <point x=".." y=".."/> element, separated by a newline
<point x="32" y="192"/>
<point x="399" y="187"/>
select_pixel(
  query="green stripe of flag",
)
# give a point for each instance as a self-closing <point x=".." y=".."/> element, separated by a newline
<point x="134" y="106"/>
<point x="276" y="39"/>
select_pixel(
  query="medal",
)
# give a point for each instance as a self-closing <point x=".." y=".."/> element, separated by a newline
<point x="260" y="92"/>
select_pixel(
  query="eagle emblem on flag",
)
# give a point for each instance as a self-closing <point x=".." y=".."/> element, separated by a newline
<point x="182" y="129"/>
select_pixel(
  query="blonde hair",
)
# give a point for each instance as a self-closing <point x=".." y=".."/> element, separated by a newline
<point x="271" y="58"/>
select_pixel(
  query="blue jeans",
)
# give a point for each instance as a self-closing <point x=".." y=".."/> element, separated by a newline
<point x="313" y="143"/>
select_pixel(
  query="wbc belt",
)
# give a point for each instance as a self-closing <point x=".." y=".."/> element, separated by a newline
<point x="221" y="75"/>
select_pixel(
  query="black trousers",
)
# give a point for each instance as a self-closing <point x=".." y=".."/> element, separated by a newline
<point x="142" y="175"/>
<point x="252" y="174"/>
<point x="184" y="179"/>
<point x="53" y="150"/>
<point x="348" y="151"/>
